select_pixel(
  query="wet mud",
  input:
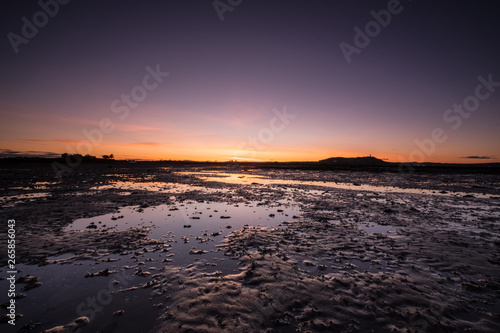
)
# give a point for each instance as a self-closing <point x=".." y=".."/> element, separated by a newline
<point x="222" y="250"/>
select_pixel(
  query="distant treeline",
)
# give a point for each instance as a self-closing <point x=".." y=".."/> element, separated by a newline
<point x="84" y="158"/>
<point x="87" y="157"/>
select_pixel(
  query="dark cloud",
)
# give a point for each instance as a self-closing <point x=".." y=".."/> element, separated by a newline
<point x="475" y="157"/>
<point x="5" y="153"/>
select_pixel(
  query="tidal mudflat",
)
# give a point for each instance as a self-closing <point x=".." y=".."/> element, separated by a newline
<point x="209" y="249"/>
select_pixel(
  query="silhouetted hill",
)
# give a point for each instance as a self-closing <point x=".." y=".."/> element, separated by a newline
<point x="362" y="161"/>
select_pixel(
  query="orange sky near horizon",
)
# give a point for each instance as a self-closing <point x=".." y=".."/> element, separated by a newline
<point x="247" y="135"/>
<point x="146" y="142"/>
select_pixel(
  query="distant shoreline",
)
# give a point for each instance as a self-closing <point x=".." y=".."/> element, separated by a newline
<point x="430" y="167"/>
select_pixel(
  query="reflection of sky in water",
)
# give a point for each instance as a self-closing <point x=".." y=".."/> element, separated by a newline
<point x="153" y="187"/>
<point x="36" y="185"/>
<point x="65" y="287"/>
<point x="12" y="200"/>
<point x="236" y="178"/>
<point x="194" y="222"/>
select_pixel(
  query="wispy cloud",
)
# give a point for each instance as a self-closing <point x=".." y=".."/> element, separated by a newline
<point x="84" y="123"/>
<point x="69" y="142"/>
<point x="151" y="144"/>
<point x="136" y="128"/>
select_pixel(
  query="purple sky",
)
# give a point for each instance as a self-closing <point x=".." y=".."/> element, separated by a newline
<point x="226" y="78"/>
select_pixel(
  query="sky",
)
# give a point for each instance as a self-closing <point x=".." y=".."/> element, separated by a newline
<point x="251" y="80"/>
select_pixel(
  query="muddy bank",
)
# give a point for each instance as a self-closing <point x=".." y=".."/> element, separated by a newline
<point x="287" y="283"/>
<point x="335" y="259"/>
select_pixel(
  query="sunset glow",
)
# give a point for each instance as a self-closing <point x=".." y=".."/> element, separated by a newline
<point x="177" y="83"/>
